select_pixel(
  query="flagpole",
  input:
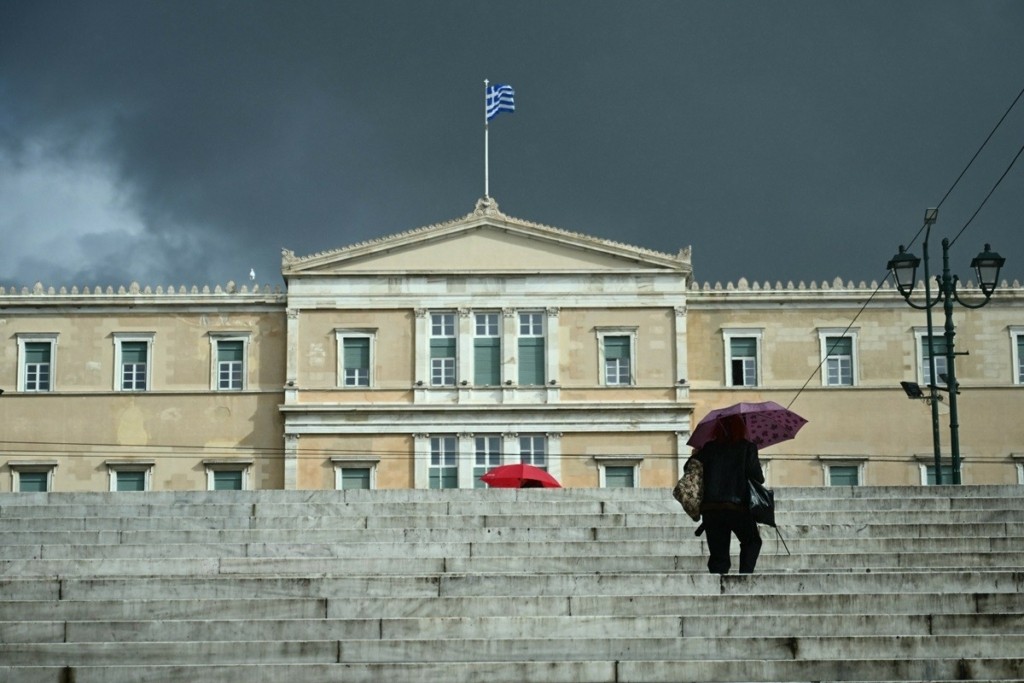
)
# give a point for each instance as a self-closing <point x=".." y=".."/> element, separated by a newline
<point x="487" y="161"/>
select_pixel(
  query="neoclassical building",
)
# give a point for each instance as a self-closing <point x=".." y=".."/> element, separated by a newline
<point x="422" y="359"/>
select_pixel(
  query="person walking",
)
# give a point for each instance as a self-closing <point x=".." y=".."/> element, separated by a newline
<point x="729" y="460"/>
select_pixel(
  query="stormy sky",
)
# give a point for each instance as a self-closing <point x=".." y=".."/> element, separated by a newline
<point x="185" y="142"/>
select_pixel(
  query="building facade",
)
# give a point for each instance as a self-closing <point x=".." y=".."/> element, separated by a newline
<point x="425" y="358"/>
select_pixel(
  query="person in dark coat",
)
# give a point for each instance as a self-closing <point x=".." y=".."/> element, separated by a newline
<point x="729" y="460"/>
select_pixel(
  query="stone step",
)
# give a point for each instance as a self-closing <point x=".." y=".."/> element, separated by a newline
<point x="533" y="521"/>
<point x="497" y="547"/>
<point x="944" y="670"/>
<point x="912" y="604"/>
<point x="480" y="506"/>
<point x="960" y="492"/>
<point x="223" y="586"/>
<point x="497" y="564"/>
<point x="993" y="531"/>
<point x="821" y="648"/>
<point x="505" y="627"/>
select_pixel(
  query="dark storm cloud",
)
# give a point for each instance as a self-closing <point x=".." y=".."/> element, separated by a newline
<point x="784" y="141"/>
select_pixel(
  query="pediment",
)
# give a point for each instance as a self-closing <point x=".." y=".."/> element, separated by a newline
<point x="485" y="241"/>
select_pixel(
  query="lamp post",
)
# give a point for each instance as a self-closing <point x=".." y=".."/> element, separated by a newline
<point x="903" y="266"/>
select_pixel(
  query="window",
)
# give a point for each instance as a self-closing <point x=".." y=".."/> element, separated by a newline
<point x="742" y="353"/>
<point x="531" y="348"/>
<point x="838" y="348"/>
<point x="924" y="368"/>
<point x="486" y="350"/>
<point x="947" y="474"/>
<point x="444" y="471"/>
<point x="488" y="455"/>
<point x="32" y="477"/>
<point x="130" y="475"/>
<point x="442" y="349"/>
<point x="533" y="451"/>
<point x="619" y="476"/>
<point x="616" y="350"/>
<point x="35" y="370"/>
<point x="132" y="359"/>
<point x="355" y="357"/>
<point x="842" y="475"/>
<point x="355" y="473"/>
<point x="228" y="475"/>
<point x="229" y="352"/>
<point x="1017" y="353"/>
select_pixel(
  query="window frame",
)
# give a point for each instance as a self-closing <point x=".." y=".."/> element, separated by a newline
<point x="529" y="455"/>
<point x="857" y="463"/>
<point x="618" y="461"/>
<point x="447" y="460"/>
<point x="494" y="338"/>
<point x="444" y="370"/>
<point x="121" y="338"/>
<point x="537" y="319"/>
<point x="824" y="335"/>
<point x="116" y="466"/>
<point x="18" y="467"/>
<point x="244" y="465"/>
<point x="1016" y="357"/>
<point x="215" y="340"/>
<point x="340" y="464"/>
<point x="603" y="333"/>
<point x="26" y="338"/>
<point x="923" y="367"/>
<point x="490" y="456"/>
<point x="342" y="334"/>
<point x="728" y="334"/>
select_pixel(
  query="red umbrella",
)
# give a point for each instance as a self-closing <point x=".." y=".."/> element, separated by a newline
<point x="767" y="423"/>
<point x="518" y="476"/>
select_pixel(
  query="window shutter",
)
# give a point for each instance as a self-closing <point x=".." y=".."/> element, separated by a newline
<point x="487" y="361"/>
<point x="357" y="353"/>
<point x="227" y="351"/>
<point x="616" y="348"/>
<point x="745" y="347"/>
<point x="531" y="361"/>
<point x="133" y="352"/>
<point x="37" y="352"/>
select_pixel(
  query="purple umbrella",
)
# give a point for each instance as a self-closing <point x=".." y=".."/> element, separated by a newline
<point x="767" y="423"/>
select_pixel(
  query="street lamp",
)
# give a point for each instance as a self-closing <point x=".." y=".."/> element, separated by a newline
<point x="903" y="266"/>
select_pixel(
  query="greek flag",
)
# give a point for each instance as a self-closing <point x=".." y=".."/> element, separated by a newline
<point x="500" y="98"/>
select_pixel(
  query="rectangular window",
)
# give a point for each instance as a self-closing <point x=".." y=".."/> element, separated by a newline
<point x="355" y="478"/>
<point x="37" y="365"/>
<point x="947" y="475"/>
<point x="533" y="451"/>
<point x="442" y="350"/>
<point x="36" y="356"/>
<point x="742" y="361"/>
<point x="1020" y="359"/>
<point x="32" y="481"/>
<point x="531" y="349"/>
<point x="230" y="364"/>
<point x="838" y="361"/>
<point x="486" y="350"/>
<point x="618" y="476"/>
<point x="356" y="361"/>
<point x="130" y="480"/>
<point x="444" y="470"/>
<point x="134" y="361"/>
<point x="617" y="365"/>
<point x="843" y="475"/>
<point x="941" y="367"/>
<point x="227" y="480"/>
<point x="488" y="455"/>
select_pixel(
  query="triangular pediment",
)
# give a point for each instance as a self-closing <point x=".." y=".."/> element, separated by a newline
<point x="485" y="241"/>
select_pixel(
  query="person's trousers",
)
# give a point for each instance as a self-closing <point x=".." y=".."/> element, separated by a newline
<point x="720" y="525"/>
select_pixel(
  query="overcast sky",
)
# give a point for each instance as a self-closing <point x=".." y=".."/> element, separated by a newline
<point x="185" y="142"/>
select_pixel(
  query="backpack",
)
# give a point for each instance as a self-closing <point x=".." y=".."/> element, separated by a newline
<point x="689" y="490"/>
